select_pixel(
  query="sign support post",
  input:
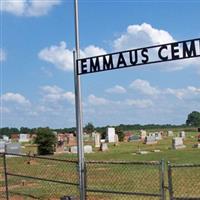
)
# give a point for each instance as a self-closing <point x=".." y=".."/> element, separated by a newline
<point x="78" y="103"/>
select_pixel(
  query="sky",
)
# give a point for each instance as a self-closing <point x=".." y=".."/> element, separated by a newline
<point x="37" y="80"/>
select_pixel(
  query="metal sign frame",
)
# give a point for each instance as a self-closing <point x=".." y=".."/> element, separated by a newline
<point x="142" y="56"/>
<point x="100" y="63"/>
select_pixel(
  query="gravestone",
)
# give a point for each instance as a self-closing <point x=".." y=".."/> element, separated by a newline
<point x="170" y="133"/>
<point x="116" y="139"/>
<point x="2" y="146"/>
<point x="73" y="149"/>
<point x="158" y="136"/>
<point x="182" y="134"/>
<point x="197" y="146"/>
<point x="104" y="147"/>
<point x="134" y="138"/>
<point x="13" y="148"/>
<point x="150" y="140"/>
<point x="97" y="140"/>
<point x="24" y="137"/>
<point x="86" y="137"/>
<point x="87" y="149"/>
<point x="5" y="138"/>
<point x="177" y="143"/>
<point x="143" y="134"/>
<point x="111" y="134"/>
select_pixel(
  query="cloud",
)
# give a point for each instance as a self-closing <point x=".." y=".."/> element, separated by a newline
<point x="116" y="89"/>
<point x="4" y="110"/>
<point x="144" y="87"/>
<point x="97" y="101"/>
<point x="2" y="55"/>
<point x="15" y="98"/>
<point x="55" y="94"/>
<point x="137" y="36"/>
<point x="92" y="50"/>
<point x="183" y="93"/>
<point x="141" y="36"/>
<point x="62" y="57"/>
<point x="139" y="103"/>
<point x="28" y="7"/>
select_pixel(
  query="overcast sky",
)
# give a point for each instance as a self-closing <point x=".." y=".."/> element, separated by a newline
<point x="37" y="40"/>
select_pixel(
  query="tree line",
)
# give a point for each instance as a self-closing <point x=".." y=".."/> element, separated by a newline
<point x="193" y="120"/>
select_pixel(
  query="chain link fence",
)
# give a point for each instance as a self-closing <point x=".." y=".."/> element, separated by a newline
<point x="2" y="179"/>
<point x="184" y="181"/>
<point x="124" y="180"/>
<point x="30" y="177"/>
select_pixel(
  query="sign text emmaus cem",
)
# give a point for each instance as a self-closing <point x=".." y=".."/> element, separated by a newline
<point x="135" y="57"/>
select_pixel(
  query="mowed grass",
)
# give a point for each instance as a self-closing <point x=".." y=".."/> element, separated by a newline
<point x="103" y="176"/>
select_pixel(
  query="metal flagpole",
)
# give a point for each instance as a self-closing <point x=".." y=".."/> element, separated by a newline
<point x="78" y="102"/>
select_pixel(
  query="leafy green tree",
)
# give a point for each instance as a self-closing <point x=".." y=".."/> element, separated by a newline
<point x="120" y="134"/>
<point x="25" y="130"/>
<point x="89" y="128"/>
<point x="193" y="119"/>
<point x="46" y="141"/>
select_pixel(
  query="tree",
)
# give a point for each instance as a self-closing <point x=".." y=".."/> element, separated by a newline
<point x="120" y="134"/>
<point x="46" y="141"/>
<point x="193" y="119"/>
<point x="89" y="128"/>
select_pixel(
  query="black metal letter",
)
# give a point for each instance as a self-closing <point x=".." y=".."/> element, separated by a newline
<point x="107" y="64"/>
<point x="189" y="52"/>
<point x="121" y="61"/>
<point x="83" y="66"/>
<point x="144" y="54"/>
<point x="94" y="67"/>
<point x="131" y="57"/>
<point x="164" y="58"/>
<point x="174" y="51"/>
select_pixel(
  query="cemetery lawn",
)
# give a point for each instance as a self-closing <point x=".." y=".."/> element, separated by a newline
<point x="127" y="151"/>
<point x="102" y="176"/>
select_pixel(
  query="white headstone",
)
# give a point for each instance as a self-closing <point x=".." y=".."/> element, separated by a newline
<point x="87" y="149"/>
<point x="158" y="136"/>
<point x="2" y="146"/>
<point x="104" y="147"/>
<point x="13" y="148"/>
<point x="143" y="134"/>
<point x="150" y="139"/>
<point x="102" y="141"/>
<point x="5" y="138"/>
<point x="182" y="134"/>
<point x="111" y="134"/>
<point x="177" y="143"/>
<point x="24" y="138"/>
<point x="97" y="140"/>
<point x="116" y="139"/>
<point x="74" y="149"/>
<point x="170" y="133"/>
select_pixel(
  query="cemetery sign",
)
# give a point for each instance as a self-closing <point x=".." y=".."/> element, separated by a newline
<point x="141" y="56"/>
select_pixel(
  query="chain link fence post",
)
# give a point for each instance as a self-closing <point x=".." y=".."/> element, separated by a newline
<point x="170" y="181"/>
<point x="5" y="176"/>
<point x="162" y="179"/>
<point x="85" y="180"/>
